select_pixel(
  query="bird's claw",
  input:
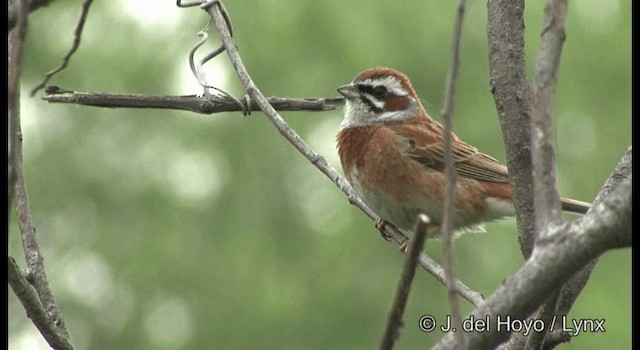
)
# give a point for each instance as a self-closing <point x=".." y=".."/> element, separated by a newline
<point x="380" y="224"/>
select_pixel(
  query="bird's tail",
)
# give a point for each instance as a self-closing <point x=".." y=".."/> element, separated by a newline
<point x="574" y="206"/>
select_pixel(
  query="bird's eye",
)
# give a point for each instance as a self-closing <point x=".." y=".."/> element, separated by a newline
<point x="379" y="91"/>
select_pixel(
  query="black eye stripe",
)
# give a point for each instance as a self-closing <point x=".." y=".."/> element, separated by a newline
<point x="371" y="105"/>
<point x="378" y="91"/>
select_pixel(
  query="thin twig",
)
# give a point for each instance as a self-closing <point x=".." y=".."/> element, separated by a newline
<point x="394" y="319"/>
<point x="510" y="88"/>
<point x="29" y="299"/>
<point x="207" y="104"/>
<point x="316" y="159"/>
<point x="450" y="172"/>
<point x="189" y="4"/>
<point x="77" y="35"/>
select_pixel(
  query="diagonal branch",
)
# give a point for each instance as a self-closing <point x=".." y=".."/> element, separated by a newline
<point x="557" y="257"/>
<point x="316" y="159"/>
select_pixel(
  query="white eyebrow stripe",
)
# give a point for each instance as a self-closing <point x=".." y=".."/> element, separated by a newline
<point x="392" y="84"/>
<point x="379" y="104"/>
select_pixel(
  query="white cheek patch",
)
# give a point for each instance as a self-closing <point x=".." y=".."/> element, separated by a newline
<point x="358" y="114"/>
<point x="379" y="104"/>
<point x="355" y="114"/>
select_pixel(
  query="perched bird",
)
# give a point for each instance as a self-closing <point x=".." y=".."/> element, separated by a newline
<point x="392" y="153"/>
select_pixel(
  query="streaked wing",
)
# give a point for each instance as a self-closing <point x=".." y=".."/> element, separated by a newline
<point x="423" y="143"/>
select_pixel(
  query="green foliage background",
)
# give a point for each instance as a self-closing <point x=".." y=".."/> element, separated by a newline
<point x="166" y="230"/>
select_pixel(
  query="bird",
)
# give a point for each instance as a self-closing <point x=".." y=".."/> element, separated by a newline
<point x="392" y="153"/>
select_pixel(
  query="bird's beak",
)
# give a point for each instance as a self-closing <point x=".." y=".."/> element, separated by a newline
<point x="349" y="91"/>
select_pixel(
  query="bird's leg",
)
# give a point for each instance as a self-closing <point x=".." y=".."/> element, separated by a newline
<point x="405" y="247"/>
<point x="380" y="224"/>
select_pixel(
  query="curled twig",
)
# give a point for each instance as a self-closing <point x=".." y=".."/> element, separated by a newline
<point x="196" y="67"/>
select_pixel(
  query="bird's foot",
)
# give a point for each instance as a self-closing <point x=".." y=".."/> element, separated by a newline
<point x="405" y="247"/>
<point x="380" y="224"/>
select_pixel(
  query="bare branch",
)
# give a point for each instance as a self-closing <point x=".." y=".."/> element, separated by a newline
<point x="512" y="96"/>
<point x="34" y="309"/>
<point x="77" y="34"/>
<point x="33" y="256"/>
<point x="572" y="289"/>
<point x="556" y="338"/>
<point x="450" y="172"/>
<point x="317" y="160"/>
<point x="14" y="12"/>
<point x="49" y="322"/>
<point x="557" y="256"/>
<point x="207" y="104"/>
<point x="546" y="198"/>
<point x="394" y="319"/>
<point x="559" y="307"/>
<point x="35" y="261"/>
<point x="536" y="340"/>
<point x="547" y="204"/>
<point x="16" y="54"/>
